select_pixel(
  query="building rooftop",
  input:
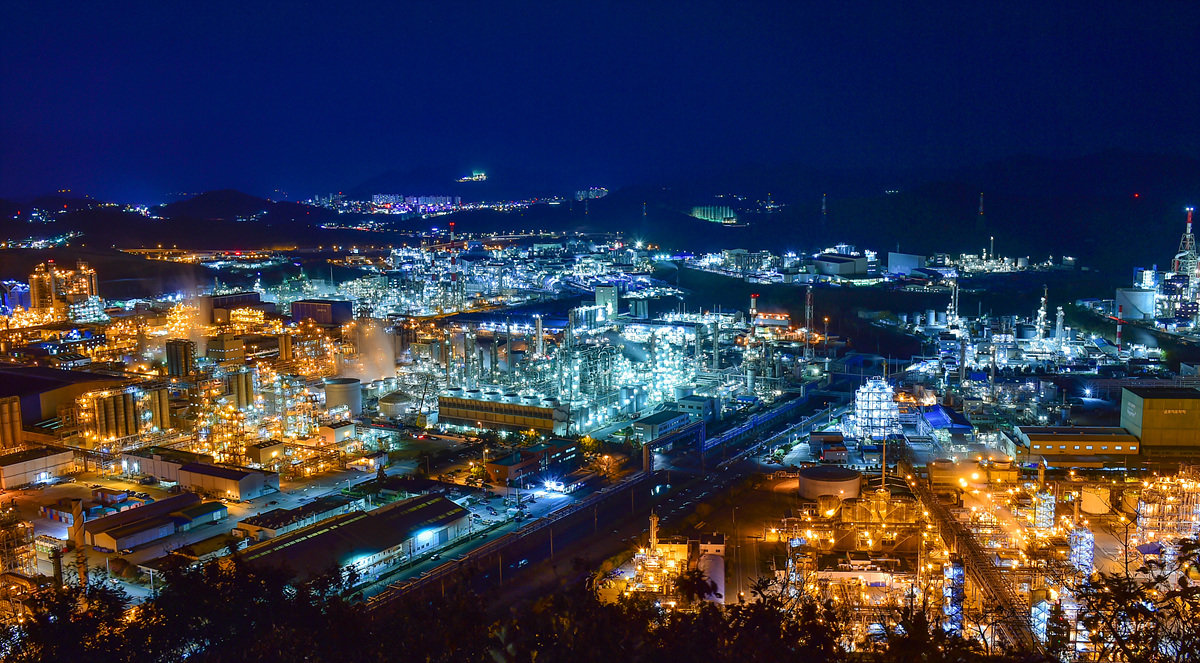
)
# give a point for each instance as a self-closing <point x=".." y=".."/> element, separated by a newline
<point x="660" y="417"/>
<point x="276" y="518"/>
<point x="219" y="471"/>
<point x="1074" y="432"/>
<point x="1164" y="392"/>
<point x="171" y="455"/>
<point x="153" y="510"/>
<point x="30" y="454"/>
<point x="28" y="380"/>
<point x="316" y="549"/>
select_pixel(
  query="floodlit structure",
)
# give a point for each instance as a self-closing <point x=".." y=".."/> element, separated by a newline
<point x="876" y="413"/>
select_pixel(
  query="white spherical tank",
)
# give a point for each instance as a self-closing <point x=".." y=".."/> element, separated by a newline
<point x="835" y="480"/>
<point x="713" y="567"/>
<point x="343" y="391"/>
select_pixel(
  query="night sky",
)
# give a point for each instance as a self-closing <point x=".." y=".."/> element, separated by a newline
<point x="131" y="101"/>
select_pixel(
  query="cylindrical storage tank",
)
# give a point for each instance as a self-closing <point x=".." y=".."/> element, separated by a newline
<point x="713" y="568"/>
<point x="549" y="402"/>
<point x="930" y="317"/>
<point x="512" y="397"/>
<point x="491" y="396"/>
<point x="1096" y="500"/>
<point x="1026" y="331"/>
<point x="904" y="318"/>
<point x="394" y="404"/>
<point x="917" y="319"/>
<point x="529" y="400"/>
<point x="455" y="392"/>
<point x="682" y="392"/>
<point x="10" y="423"/>
<point x="942" y="319"/>
<point x="343" y="391"/>
<point x="473" y="394"/>
<point x="819" y="480"/>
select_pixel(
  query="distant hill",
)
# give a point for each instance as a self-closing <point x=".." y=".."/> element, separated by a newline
<point x="1113" y="211"/>
<point x="225" y="204"/>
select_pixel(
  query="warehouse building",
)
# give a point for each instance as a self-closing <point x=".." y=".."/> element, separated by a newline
<point x="367" y="542"/>
<point x="197" y="473"/>
<point x="277" y="522"/>
<point x="236" y="483"/>
<point x="648" y="429"/>
<point x="154" y="521"/>
<point x="24" y="468"/>
<point x="161" y="463"/>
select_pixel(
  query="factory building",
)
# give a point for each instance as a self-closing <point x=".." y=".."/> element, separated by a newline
<point x="151" y="522"/>
<point x="216" y="308"/>
<point x="161" y="463"/>
<point x="230" y="482"/>
<point x="834" y="264"/>
<point x="265" y="452"/>
<point x="195" y="472"/>
<point x="367" y="542"/>
<point x="23" y="468"/>
<point x="1076" y="447"/>
<point x="904" y="263"/>
<point x="1162" y="418"/>
<point x="652" y="427"/>
<point x="701" y="408"/>
<point x="559" y="455"/>
<point x="277" y="522"/>
<point x="226" y="350"/>
<point x="1136" y="303"/>
<point x="609" y="297"/>
<point x="545" y="415"/>
<point x="323" y="311"/>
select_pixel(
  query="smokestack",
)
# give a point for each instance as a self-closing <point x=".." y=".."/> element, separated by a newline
<point x="753" y="307"/>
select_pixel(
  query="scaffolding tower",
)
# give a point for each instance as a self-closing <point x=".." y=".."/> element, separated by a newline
<point x="16" y="543"/>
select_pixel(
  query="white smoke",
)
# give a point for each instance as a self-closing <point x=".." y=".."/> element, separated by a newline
<point x="376" y="352"/>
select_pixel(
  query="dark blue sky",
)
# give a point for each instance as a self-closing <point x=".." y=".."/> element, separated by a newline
<point x="138" y="99"/>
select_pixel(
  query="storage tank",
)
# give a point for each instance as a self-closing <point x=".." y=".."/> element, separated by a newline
<point x="683" y="392"/>
<point x="512" y="397"/>
<point x="343" y="391"/>
<point x="394" y="404"/>
<point x="1026" y="331"/>
<point x="1096" y="500"/>
<point x="713" y="567"/>
<point x="942" y="319"/>
<point x="829" y="480"/>
<point x="930" y="317"/>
